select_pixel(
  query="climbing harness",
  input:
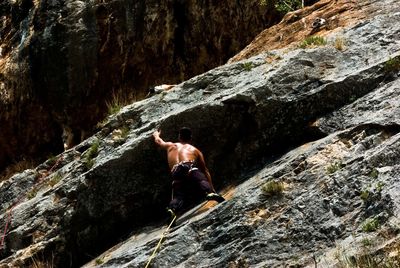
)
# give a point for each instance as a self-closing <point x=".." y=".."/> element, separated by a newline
<point x="160" y="241"/>
<point x="21" y="197"/>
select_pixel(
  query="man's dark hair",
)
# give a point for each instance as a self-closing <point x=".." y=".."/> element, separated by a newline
<point x="185" y="134"/>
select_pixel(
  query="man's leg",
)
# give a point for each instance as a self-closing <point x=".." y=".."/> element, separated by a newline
<point x="177" y="202"/>
<point x="205" y="186"/>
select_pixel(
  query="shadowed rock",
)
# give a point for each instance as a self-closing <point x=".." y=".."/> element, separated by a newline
<point x="62" y="61"/>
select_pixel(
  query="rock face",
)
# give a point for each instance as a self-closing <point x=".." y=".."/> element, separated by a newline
<point x="62" y="61"/>
<point x="322" y="121"/>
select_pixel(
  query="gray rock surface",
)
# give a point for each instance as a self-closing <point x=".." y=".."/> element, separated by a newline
<point x="63" y="61"/>
<point x="324" y="122"/>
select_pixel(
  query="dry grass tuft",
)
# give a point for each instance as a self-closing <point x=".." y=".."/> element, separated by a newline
<point x="16" y="168"/>
<point x="340" y="43"/>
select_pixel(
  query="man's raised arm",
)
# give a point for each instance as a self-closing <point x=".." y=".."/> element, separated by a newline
<point x="161" y="142"/>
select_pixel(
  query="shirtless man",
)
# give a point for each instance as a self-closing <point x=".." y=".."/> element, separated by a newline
<point x="187" y="164"/>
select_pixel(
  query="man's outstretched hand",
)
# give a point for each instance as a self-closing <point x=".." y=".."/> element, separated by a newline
<point x="157" y="133"/>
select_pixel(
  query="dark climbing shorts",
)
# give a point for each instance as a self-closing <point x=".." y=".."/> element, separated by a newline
<point x="187" y="180"/>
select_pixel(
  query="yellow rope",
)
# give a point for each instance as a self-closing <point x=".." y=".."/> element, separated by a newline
<point x="159" y="242"/>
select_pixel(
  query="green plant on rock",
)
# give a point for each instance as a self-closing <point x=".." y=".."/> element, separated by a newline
<point x="32" y="193"/>
<point x="312" y="41"/>
<point x="364" y="260"/>
<point x="89" y="163"/>
<point x="55" y="179"/>
<point x="374" y="173"/>
<point x="283" y="6"/>
<point x="392" y="65"/>
<point x="273" y="188"/>
<point x="116" y="104"/>
<point x="99" y="261"/>
<point x="370" y="225"/>
<point x="367" y="242"/>
<point x="372" y="193"/>
<point x="334" y="167"/>
<point x="113" y="108"/>
<point x="379" y="186"/>
<point x="365" y="194"/>
<point x="51" y="160"/>
<point x="247" y="66"/>
<point x="124" y="132"/>
<point x="90" y="154"/>
<point x="367" y="257"/>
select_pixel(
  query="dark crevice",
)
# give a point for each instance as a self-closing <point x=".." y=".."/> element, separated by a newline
<point x="110" y="229"/>
<point x="281" y="145"/>
<point x="371" y="128"/>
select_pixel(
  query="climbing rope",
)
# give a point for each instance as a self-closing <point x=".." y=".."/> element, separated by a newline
<point x="159" y="242"/>
<point x="21" y="197"/>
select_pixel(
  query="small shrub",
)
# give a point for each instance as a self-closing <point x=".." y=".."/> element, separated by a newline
<point x="32" y="193"/>
<point x="113" y="108"/>
<point x="89" y="163"/>
<point x="367" y="258"/>
<point x="16" y="168"/>
<point x="392" y="65"/>
<point x="370" y="225"/>
<point x="124" y="132"/>
<point x="90" y="154"/>
<point x="352" y="98"/>
<point x="313" y="41"/>
<point x="339" y="43"/>
<point x="379" y="186"/>
<point x="102" y="123"/>
<point x="365" y="194"/>
<point x="272" y="188"/>
<point x="263" y="2"/>
<point x="99" y="261"/>
<point x="40" y="263"/>
<point x="247" y="66"/>
<point x="366" y="242"/>
<point x="374" y="173"/>
<point x="52" y="160"/>
<point x="283" y="6"/>
<point x="93" y="150"/>
<point x="116" y="104"/>
<point x="372" y="194"/>
<point x="334" y="167"/>
<point x="272" y="58"/>
<point x="55" y="179"/>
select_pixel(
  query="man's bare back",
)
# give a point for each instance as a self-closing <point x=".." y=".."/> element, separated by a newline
<point x="181" y="152"/>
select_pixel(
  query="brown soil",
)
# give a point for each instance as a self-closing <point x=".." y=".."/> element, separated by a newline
<point x="296" y="26"/>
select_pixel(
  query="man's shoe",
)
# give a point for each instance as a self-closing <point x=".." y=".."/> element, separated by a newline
<point x="172" y="217"/>
<point x="215" y="197"/>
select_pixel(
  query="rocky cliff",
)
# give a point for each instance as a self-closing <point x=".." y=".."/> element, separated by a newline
<point x="321" y="122"/>
<point x="62" y="61"/>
